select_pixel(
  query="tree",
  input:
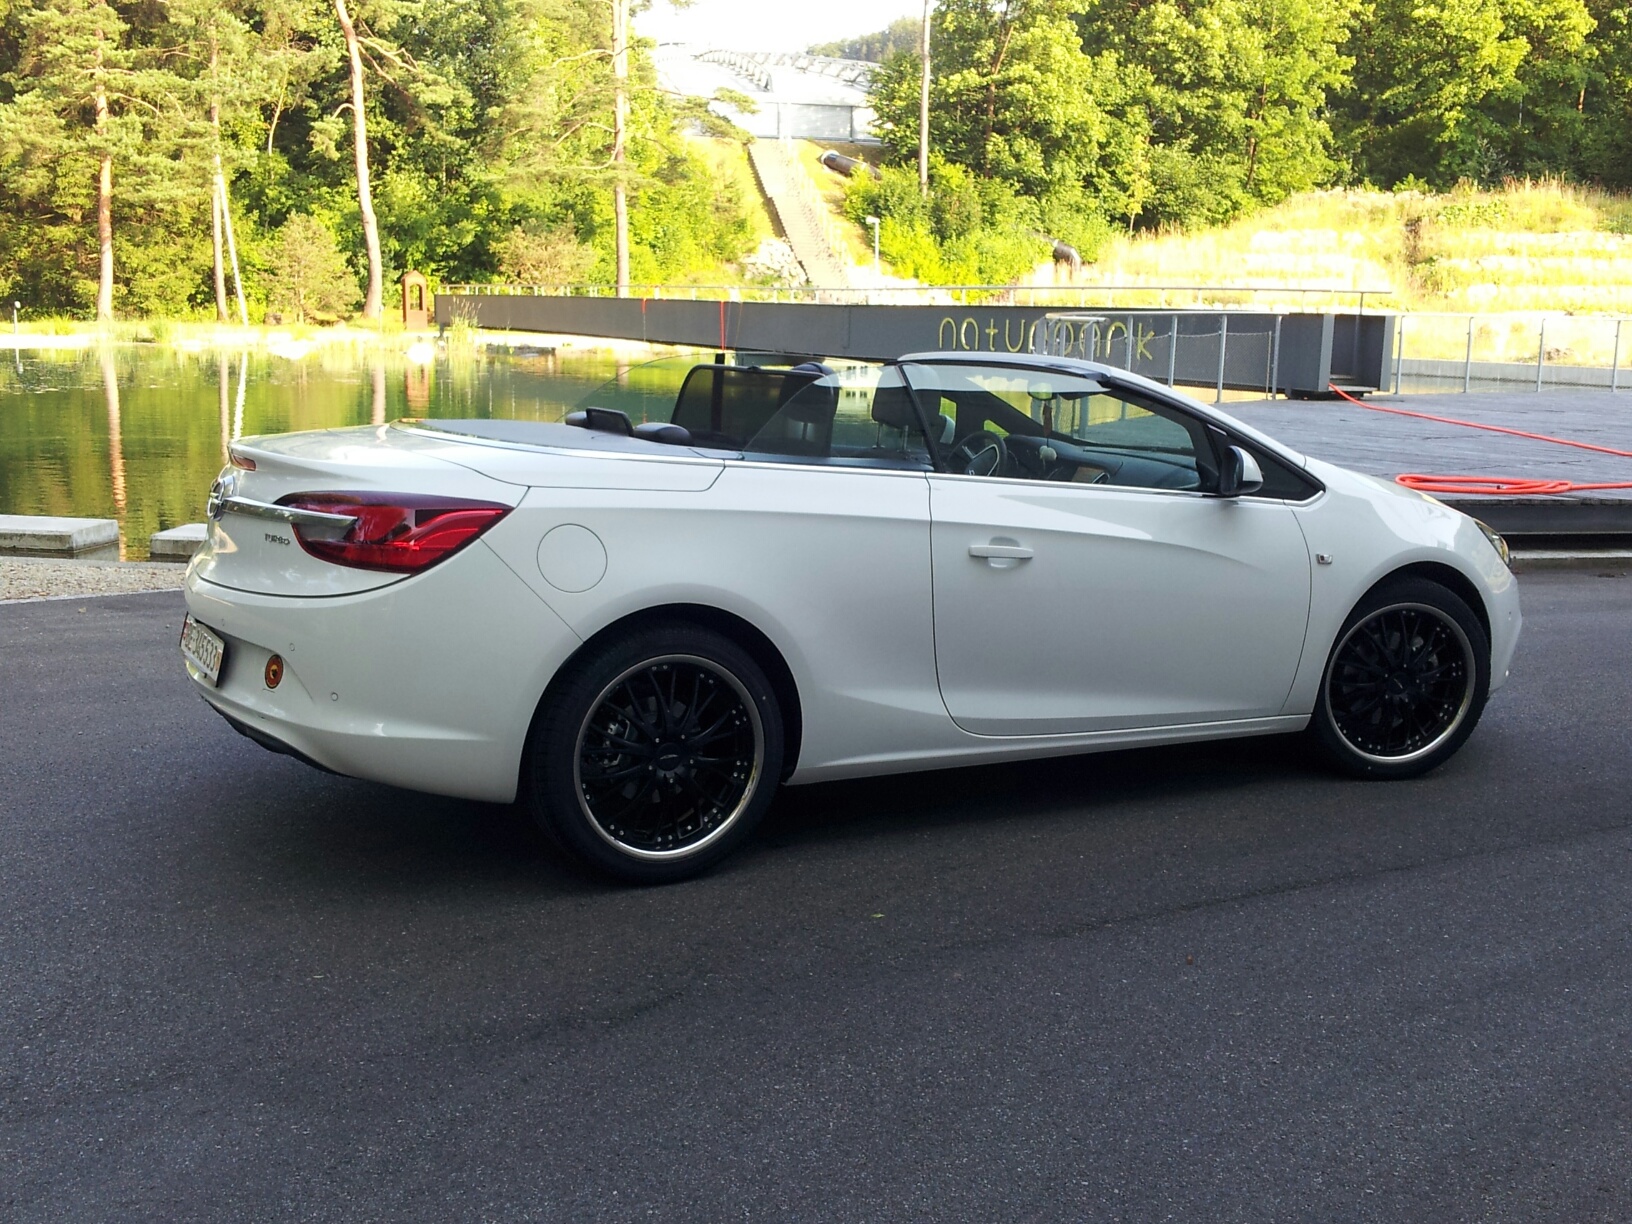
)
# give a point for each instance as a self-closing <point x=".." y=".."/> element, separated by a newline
<point x="477" y="117"/>
<point x="1230" y="96"/>
<point x="309" y="274"/>
<point x="620" y="140"/>
<point x="1013" y="94"/>
<point x="69" y="118"/>
<point x="901" y="35"/>
<point x="535" y="255"/>
<point x="1605" y="100"/>
<point x="90" y="104"/>
<point x="373" y="299"/>
<point x="1539" y="126"/>
<point x="1424" y="69"/>
<point x="213" y="48"/>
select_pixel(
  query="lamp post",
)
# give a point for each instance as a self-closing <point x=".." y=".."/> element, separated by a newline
<point x="15" y="307"/>
<point x="872" y="223"/>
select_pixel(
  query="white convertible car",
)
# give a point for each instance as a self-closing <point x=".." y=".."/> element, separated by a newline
<point x="812" y="572"/>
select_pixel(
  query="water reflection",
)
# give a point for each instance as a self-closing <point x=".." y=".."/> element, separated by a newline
<point x="238" y="409"/>
<point x="170" y="415"/>
<point x="116" y="443"/>
<point x="226" y="407"/>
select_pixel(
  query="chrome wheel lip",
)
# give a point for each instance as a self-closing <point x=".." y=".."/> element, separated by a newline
<point x="750" y="787"/>
<point x="1471" y="667"/>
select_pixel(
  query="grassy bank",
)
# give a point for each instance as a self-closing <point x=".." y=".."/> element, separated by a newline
<point x="1529" y="247"/>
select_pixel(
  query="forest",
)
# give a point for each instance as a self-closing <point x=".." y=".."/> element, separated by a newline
<point x="496" y="138"/>
<point x="489" y="146"/>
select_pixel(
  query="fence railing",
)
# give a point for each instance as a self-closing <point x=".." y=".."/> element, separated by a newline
<point x="1432" y="352"/>
<point x="1443" y="351"/>
<point x="1196" y="349"/>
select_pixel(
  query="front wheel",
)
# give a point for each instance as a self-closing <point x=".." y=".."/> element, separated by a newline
<point x="655" y="754"/>
<point x="1405" y="682"/>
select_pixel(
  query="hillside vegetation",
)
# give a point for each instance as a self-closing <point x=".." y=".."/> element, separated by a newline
<point x="1083" y="119"/>
<point x="1523" y="247"/>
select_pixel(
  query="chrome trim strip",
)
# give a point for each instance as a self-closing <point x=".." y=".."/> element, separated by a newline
<point x="316" y="523"/>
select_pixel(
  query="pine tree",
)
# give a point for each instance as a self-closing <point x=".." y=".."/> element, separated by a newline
<point x="71" y="118"/>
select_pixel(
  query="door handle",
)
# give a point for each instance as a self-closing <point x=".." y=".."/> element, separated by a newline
<point x="995" y="551"/>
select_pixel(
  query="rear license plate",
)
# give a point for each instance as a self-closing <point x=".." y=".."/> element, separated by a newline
<point x="203" y="649"/>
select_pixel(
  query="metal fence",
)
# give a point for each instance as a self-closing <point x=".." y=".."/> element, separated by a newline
<point x="1510" y="351"/>
<point x="1430" y="351"/>
<point x="1298" y="354"/>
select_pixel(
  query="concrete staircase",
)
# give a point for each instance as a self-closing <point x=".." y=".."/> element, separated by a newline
<point x="805" y="219"/>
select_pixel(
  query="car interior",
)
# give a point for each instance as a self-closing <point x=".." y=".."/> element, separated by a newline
<point x="1020" y="423"/>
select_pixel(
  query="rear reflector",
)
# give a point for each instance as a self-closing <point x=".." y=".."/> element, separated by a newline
<point x="240" y="461"/>
<point x="397" y="532"/>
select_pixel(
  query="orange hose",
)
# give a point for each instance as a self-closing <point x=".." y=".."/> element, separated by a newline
<point x="1493" y="486"/>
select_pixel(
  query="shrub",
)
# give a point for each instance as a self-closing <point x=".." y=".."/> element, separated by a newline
<point x="536" y="255"/>
<point x="310" y="278"/>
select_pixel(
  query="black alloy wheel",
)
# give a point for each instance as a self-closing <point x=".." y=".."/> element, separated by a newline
<point x="668" y="755"/>
<point x="1405" y="683"/>
<point x="656" y="754"/>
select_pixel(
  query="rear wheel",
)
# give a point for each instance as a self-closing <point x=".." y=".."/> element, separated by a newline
<point x="1405" y="682"/>
<point x="656" y="753"/>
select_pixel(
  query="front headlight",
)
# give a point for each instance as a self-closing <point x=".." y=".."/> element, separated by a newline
<point x="1496" y="542"/>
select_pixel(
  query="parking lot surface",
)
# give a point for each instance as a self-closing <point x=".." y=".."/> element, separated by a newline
<point x="1205" y="983"/>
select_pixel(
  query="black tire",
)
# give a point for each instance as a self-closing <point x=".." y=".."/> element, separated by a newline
<point x="653" y="755"/>
<point x="1405" y="682"/>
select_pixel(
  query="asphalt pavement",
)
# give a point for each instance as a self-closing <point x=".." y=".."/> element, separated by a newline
<point x="1204" y="983"/>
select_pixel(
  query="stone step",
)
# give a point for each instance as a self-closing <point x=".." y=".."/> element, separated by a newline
<point x="177" y="543"/>
<point x="29" y="535"/>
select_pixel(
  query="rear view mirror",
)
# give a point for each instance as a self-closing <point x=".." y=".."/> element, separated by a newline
<point x="1239" y="474"/>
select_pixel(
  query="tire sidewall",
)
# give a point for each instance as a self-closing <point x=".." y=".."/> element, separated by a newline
<point x="1431" y="594"/>
<point x="553" y="748"/>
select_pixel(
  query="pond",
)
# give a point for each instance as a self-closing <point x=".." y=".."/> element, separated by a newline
<point x="137" y="433"/>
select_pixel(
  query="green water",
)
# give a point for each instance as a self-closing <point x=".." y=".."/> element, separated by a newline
<point x="138" y="433"/>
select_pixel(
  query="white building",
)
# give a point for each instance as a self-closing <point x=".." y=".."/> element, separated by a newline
<point x="804" y="97"/>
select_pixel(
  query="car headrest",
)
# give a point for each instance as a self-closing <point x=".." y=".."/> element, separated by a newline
<point x="892" y="406"/>
<point x="662" y="431"/>
<point x="803" y="400"/>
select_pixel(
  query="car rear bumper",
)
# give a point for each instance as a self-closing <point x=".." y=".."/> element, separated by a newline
<point x="430" y="683"/>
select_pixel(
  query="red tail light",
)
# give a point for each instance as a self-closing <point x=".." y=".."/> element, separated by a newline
<point x="398" y="532"/>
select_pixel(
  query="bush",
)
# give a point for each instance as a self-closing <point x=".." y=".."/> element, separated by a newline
<point x="969" y="231"/>
<point x="310" y="278"/>
<point x="536" y="255"/>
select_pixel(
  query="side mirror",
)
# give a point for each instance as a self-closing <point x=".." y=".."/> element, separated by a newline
<point x="1239" y="474"/>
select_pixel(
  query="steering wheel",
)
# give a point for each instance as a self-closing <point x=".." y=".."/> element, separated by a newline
<point x="979" y="454"/>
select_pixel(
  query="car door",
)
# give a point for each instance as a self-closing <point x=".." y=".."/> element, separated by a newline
<point x="1085" y="579"/>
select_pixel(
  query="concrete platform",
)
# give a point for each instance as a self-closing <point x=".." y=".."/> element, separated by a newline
<point x="24" y="535"/>
<point x="177" y="543"/>
<point x="1385" y="444"/>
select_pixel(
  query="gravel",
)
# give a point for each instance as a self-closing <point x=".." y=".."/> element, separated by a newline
<point x="23" y="578"/>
